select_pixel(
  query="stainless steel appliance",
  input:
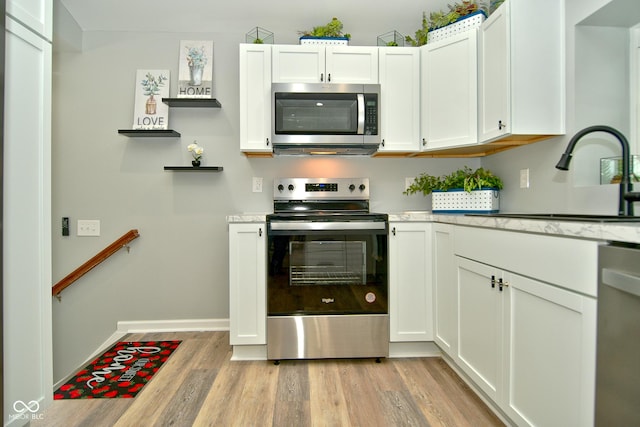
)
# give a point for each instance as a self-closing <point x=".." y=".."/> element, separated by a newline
<point x="618" y="342"/>
<point x="327" y="286"/>
<point x="316" y="118"/>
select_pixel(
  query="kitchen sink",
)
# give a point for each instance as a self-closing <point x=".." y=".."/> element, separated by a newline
<point x="563" y="217"/>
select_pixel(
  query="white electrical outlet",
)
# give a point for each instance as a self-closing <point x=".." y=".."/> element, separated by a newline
<point x="88" y="227"/>
<point x="524" y="178"/>
<point x="257" y="185"/>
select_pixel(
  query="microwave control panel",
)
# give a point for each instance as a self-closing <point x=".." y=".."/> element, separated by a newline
<point x="371" y="114"/>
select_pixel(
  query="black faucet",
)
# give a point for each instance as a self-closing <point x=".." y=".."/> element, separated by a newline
<point x="626" y="196"/>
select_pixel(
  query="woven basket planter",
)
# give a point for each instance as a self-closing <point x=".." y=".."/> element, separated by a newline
<point x="460" y="201"/>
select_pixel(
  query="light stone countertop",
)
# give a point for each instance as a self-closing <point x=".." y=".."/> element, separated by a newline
<point x="607" y="231"/>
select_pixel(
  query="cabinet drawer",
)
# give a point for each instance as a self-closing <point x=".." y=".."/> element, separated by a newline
<point x="566" y="262"/>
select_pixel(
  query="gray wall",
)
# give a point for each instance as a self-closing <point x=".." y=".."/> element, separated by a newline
<point x="178" y="268"/>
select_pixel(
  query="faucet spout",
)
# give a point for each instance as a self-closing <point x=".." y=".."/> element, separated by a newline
<point x="626" y="196"/>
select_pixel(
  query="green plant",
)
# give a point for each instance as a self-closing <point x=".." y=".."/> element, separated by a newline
<point x="441" y="19"/>
<point x="466" y="178"/>
<point x="332" y="29"/>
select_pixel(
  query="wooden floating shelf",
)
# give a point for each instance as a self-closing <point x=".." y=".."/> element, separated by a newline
<point x="165" y="133"/>
<point x="194" y="169"/>
<point x="192" y="102"/>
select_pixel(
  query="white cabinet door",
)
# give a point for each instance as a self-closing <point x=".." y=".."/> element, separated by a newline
<point x="255" y="98"/>
<point x="352" y="64"/>
<point x="298" y="64"/>
<point x="34" y="14"/>
<point x="400" y="99"/>
<point x="320" y="64"/>
<point x="445" y="290"/>
<point x="410" y="289"/>
<point x="27" y="275"/>
<point x="551" y="355"/>
<point x="449" y="93"/>
<point x="480" y="325"/>
<point x="247" y="284"/>
<point x="494" y="75"/>
<point x="522" y="71"/>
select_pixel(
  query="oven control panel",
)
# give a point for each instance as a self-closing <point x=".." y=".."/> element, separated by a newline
<point x="321" y="188"/>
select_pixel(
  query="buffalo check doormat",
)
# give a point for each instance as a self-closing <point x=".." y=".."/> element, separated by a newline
<point x="121" y="371"/>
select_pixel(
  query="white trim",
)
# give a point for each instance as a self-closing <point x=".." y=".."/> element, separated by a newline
<point x="634" y="85"/>
<point x="249" y="352"/>
<point x="413" y="349"/>
<point x="180" y="325"/>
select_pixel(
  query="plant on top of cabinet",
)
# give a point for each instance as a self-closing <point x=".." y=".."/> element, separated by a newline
<point x="332" y="29"/>
<point x="466" y="179"/>
<point x="442" y="19"/>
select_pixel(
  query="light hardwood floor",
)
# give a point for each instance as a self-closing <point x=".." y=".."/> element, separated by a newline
<point x="200" y="386"/>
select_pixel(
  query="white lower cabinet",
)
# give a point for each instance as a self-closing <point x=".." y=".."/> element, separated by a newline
<point x="445" y="290"/>
<point x="527" y="344"/>
<point x="480" y="326"/>
<point x="410" y="290"/>
<point x="247" y="284"/>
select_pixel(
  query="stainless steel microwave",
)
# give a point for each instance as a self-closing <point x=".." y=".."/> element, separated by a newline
<point x="316" y="118"/>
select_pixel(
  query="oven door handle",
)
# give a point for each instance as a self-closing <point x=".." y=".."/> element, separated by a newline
<point x="327" y="225"/>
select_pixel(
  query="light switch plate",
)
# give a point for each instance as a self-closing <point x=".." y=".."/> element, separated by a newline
<point x="88" y="227"/>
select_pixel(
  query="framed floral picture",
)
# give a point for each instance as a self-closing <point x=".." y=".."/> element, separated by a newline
<point x="149" y="111"/>
<point x="195" y="71"/>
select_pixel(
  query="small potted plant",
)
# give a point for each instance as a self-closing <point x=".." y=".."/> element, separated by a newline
<point x="325" y="34"/>
<point x="197" y="152"/>
<point x="464" y="190"/>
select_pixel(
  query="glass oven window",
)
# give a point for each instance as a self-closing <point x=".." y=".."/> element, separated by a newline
<point x="327" y="274"/>
<point x="309" y="113"/>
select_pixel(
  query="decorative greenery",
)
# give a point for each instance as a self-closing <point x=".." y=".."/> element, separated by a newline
<point x="332" y="29"/>
<point x="195" y="150"/>
<point x="196" y="57"/>
<point x="441" y="19"/>
<point x="466" y="179"/>
<point x="152" y="84"/>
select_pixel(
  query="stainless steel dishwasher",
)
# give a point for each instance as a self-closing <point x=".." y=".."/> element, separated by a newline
<point x="618" y="342"/>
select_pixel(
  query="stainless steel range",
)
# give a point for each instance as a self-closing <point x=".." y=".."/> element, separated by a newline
<point x="327" y="286"/>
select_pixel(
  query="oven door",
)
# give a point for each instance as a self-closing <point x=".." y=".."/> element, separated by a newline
<point x="327" y="267"/>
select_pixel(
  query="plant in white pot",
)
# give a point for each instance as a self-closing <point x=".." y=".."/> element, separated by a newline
<point x="464" y="190"/>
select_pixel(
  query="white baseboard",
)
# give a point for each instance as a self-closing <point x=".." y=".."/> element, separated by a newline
<point x="249" y="352"/>
<point x="413" y="349"/>
<point x="180" y="325"/>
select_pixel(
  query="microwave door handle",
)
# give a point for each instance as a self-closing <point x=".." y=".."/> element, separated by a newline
<point x="360" y="97"/>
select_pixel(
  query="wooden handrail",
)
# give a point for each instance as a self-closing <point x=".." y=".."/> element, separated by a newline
<point x="87" y="266"/>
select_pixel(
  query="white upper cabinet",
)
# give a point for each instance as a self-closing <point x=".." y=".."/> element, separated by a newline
<point x="325" y="64"/>
<point x="255" y="98"/>
<point x="37" y="15"/>
<point x="521" y="71"/>
<point x="399" y="99"/>
<point x="449" y="92"/>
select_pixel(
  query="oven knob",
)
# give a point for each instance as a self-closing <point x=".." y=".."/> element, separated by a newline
<point x="362" y="187"/>
<point x="280" y="187"/>
<point x="352" y="187"/>
<point x="290" y="187"/>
